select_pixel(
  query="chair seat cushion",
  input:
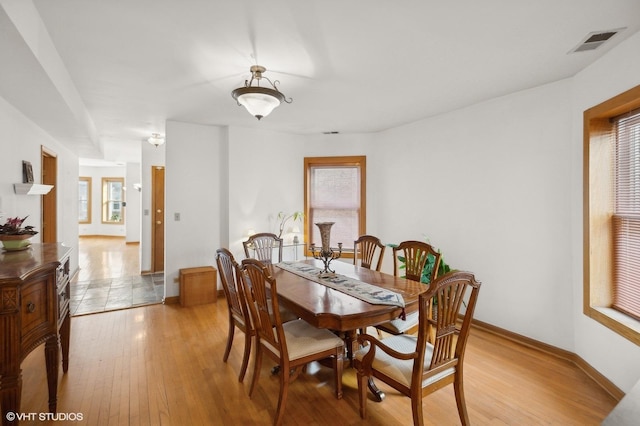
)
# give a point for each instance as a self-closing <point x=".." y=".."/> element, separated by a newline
<point x="400" y="370"/>
<point x="304" y="339"/>
<point x="399" y="326"/>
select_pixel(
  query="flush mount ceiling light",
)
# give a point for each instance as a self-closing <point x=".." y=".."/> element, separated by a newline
<point x="156" y="139"/>
<point x="259" y="101"/>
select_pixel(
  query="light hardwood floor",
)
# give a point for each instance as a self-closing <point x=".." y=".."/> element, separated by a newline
<point x="107" y="257"/>
<point x="109" y="277"/>
<point x="162" y="365"/>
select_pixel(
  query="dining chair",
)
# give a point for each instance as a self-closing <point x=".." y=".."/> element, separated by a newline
<point x="291" y="344"/>
<point x="368" y="249"/>
<point x="416" y="366"/>
<point x="414" y="255"/>
<point x="263" y="245"/>
<point x="239" y="315"/>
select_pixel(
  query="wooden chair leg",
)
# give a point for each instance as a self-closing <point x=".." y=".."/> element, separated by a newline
<point x="416" y="410"/>
<point x="227" y="350"/>
<point x="362" y="394"/>
<point x="338" y="364"/>
<point x="257" y="364"/>
<point x="458" y="389"/>
<point x="245" y="356"/>
<point x="282" y="399"/>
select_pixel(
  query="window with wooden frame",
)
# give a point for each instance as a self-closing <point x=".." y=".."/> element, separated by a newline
<point x="335" y="191"/>
<point x="113" y="200"/>
<point x="612" y="214"/>
<point x="84" y="200"/>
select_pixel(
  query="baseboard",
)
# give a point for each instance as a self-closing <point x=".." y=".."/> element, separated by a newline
<point x="594" y="374"/>
<point x="171" y="300"/>
<point x="133" y="242"/>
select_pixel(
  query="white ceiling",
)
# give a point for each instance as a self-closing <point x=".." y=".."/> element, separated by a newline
<point x="349" y="65"/>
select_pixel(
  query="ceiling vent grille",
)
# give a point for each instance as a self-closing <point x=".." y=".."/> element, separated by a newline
<point x="594" y="40"/>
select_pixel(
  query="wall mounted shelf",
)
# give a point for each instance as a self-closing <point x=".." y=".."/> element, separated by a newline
<point x="31" y="188"/>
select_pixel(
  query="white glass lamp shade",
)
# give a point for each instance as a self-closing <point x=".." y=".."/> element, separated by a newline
<point x="258" y="105"/>
<point x="259" y="101"/>
<point x="156" y="140"/>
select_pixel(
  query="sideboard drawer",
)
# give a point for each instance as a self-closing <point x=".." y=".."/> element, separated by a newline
<point x="64" y="297"/>
<point x="35" y="315"/>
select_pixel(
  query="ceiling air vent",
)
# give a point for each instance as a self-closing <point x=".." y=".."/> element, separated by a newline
<point x="594" y="40"/>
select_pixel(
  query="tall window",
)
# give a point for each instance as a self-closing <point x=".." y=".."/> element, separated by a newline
<point x="626" y="217"/>
<point x="335" y="191"/>
<point x="112" y="200"/>
<point x="84" y="200"/>
<point x="611" y="222"/>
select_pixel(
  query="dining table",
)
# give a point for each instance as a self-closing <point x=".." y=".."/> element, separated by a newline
<point x="330" y="307"/>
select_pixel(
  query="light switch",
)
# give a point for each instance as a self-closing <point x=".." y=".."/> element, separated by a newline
<point x="176" y="217"/>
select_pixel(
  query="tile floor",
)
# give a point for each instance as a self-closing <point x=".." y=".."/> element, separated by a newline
<point x="110" y="294"/>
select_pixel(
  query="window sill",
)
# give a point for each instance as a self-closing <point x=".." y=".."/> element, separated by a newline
<point x="622" y="324"/>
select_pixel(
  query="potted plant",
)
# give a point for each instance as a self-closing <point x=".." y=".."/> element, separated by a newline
<point x="425" y="278"/>
<point x="14" y="236"/>
<point x="284" y="218"/>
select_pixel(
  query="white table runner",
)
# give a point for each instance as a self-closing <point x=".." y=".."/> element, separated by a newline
<point x="363" y="291"/>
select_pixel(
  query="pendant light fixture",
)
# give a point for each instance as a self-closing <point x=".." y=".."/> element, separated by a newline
<point x="259" y="101"/>
<point x="156" y="139"/>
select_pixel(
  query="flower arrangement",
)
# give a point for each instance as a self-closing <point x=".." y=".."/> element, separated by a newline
<point x="13" y="226"/>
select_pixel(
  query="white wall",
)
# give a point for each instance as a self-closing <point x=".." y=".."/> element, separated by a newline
<point x="265" y="170"/>
<point x="21" y="139"/>
<point x="192" y="184"/>
<point x="266" y="176"/>
<point x="618" y="71"/>
<point x="96" y="227"/>
<point x="133" y="212"/>
<point x="489" y="186"/>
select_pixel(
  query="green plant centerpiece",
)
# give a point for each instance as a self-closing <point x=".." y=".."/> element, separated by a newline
<point x="14" y="236"/>
<point x="284" y="218"/>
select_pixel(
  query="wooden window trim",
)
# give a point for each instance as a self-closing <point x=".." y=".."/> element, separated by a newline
<point x="356" y="160"/>
<point x="89" y="200"/>
<point x="597" y="209"/>
<point x="103" y="200"/>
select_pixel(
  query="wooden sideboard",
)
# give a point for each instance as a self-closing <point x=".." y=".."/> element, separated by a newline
<point x="34" y="309"/>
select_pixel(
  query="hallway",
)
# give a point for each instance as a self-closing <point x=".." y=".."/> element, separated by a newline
<point x="109" y="277"/>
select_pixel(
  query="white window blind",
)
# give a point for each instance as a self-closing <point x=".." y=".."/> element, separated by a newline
<point x="626" y="217"/>
<point x="335" y="197"/>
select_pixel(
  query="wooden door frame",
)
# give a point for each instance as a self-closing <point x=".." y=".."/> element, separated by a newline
<point x="49" y="202"/>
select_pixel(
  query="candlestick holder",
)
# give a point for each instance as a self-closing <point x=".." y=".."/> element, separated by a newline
<point x="326" y="253"/>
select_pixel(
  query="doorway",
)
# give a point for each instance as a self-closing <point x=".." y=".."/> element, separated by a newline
<point x="109" y="277"/>
<point x="49" y="225"/>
